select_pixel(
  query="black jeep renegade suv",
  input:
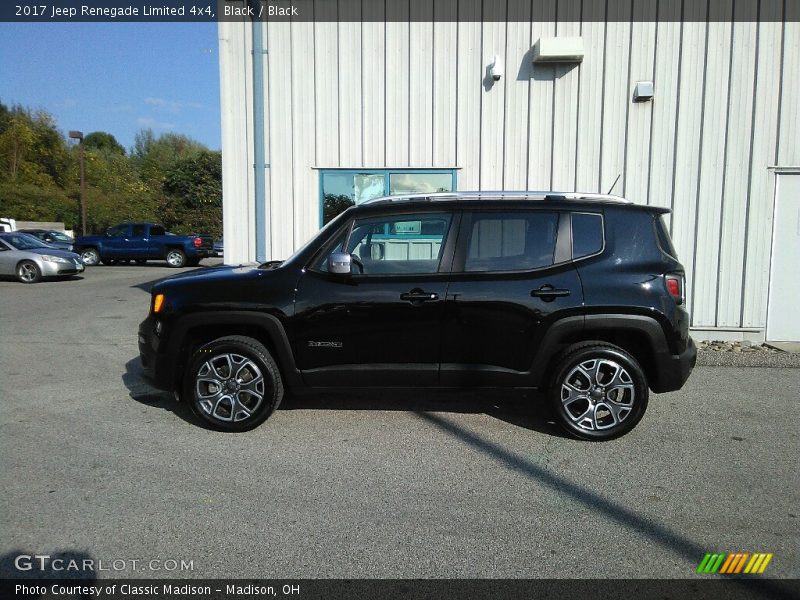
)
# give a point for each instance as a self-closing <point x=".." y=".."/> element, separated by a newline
<point x="581" y="296"/>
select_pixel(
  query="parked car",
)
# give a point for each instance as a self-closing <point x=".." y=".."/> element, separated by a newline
<point x="57" y="239"/>
<point x="29" y="259"/>
<point x="142" y="242"/>
<point x="219" y="247"/>
<point x="578" y="295"/>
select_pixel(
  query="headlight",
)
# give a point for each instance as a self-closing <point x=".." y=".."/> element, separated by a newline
<point x="56" y="259"/>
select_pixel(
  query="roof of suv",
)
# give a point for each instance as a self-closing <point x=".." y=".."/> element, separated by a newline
<point x="511" y="196"/>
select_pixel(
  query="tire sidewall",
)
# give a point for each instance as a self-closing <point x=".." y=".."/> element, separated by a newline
<point x="38" y="271"/>
<point x="94" y="252"/>
<point x="265" y="363"/>
<point x="570" y="361"/>
<point x="182" y="257"/>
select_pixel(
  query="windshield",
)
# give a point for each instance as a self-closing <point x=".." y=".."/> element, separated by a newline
<point x="61" y="237"/>
<point x="23" y="241"/>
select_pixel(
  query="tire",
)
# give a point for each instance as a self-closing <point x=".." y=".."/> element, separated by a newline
<point x="175" y="258"/>
<point x="213" y="386"/>
<point x="599" y="391"/>
<point x="28" y="272"/>
<point x="141" y="261"/>
<point x="90" y="257"/>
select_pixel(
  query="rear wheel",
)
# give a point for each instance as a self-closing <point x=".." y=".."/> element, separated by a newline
<point x="28" y="272"/>
<point x="90" y="257"/>
<point x="599" y="392"/>
<point x="176" y="258"/>
<point x="233" y="383"/>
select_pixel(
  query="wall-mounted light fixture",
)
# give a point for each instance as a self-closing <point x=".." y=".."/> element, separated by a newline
<point x="643" y="91"/>
<point x="558" y="50"/>
<point x="496" y="69"/>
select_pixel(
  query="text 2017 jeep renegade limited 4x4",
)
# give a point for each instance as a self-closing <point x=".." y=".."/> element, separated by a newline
<point x="578" y="295"/>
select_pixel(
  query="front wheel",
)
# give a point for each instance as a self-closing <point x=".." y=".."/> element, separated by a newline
<point x="176" y="258"/>
<point x="90" y="257"/>
<point x="233" y="383"/>
<point x="28" y="272"/>
<point x="599" y="392"/>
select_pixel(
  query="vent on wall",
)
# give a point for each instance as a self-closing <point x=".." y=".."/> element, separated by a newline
<point x="558" y="50"/>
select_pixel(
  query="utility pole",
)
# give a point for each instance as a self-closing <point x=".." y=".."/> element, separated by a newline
<point x="78" y="135"/>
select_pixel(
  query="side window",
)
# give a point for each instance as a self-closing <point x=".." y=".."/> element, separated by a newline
<point x="513" y="241"/>
<point x="118" y="231"/>
<point x="157" y="230"/>
<point x="402" y="244"/>
<point x="587" y="234"/>
<point x="321" y="264"/>
<point x="138" y="231"/>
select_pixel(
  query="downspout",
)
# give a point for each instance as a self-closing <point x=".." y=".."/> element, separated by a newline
<point x="260" y="165"/>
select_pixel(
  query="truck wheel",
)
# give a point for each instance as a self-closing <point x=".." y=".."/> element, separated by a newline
<point x="233" y="383"/>
<point x="28" y="272"/>
<point x="90" y="257"/>
<point x="599" y="391"/>
<point x="176" y="258"/>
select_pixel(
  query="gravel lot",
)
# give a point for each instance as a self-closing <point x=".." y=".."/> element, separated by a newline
<point x="97" y="464"/>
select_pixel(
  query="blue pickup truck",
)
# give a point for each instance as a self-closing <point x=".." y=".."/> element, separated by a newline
<point x="141" y="242"/>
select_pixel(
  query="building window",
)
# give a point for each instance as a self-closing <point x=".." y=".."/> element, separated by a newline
<point x="342" y="188"/>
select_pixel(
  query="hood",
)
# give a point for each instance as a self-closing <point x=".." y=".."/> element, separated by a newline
<point x="52" y="251"/>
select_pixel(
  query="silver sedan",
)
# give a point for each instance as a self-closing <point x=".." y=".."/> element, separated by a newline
<point x="30" y="259"/>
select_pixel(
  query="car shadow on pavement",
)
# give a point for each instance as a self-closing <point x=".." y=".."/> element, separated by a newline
<point x="141" y="391"/>
<point x="522" y="409"/>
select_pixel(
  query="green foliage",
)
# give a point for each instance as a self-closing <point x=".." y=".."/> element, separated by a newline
<point x="170" y="179"/>
<point x="334" y="205"/>
<point x="103" y="142"/>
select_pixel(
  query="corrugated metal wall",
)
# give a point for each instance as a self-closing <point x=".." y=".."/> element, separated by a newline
<point x="393" y="91"/>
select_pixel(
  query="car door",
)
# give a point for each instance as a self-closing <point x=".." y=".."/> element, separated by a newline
<point x="114" y="245"/>
<point x="155" y="248"/>
<point x="512" y="276"/>
<point x="381" y="324"/>
<point x="138" y="244"/>
<point x="8" y="258"/>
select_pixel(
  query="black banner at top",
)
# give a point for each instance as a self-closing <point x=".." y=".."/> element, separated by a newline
<point x="110" y="11"/>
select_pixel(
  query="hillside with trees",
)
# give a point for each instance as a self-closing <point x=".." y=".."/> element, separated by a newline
<point x="170" y="179"/>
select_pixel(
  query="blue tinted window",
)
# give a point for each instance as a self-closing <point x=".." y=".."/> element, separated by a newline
<point x="587" y="234"/>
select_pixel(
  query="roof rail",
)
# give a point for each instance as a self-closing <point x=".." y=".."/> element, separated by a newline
<point x="502" y="195"/>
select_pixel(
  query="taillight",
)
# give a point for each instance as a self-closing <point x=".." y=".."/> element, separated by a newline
<point x="198" y="242"/>
<point x="675" y="287"/>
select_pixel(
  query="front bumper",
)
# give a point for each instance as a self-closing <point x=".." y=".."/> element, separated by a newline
<point x="56" y="269"/>
<point x="158" y="366"/>
<point x="672" y="370"/>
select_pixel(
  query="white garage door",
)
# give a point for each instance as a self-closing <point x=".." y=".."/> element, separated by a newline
<point x="783" y="320"/>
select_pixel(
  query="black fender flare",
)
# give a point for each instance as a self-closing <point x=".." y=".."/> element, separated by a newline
<point x="567" y="330"/>
<point x="267" y="324"/>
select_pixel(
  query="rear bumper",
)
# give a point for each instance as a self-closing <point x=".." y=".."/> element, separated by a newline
<point x="672" y="370"/>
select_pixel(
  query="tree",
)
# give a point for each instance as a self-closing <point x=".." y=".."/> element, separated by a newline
<point x="103" y="142"/>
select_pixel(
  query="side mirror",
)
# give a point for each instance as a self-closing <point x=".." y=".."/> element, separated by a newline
<point x="339" y="263"/>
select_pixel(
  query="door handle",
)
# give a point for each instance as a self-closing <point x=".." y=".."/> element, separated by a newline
<point x="548" y="293"/>
<point x="417" y="296"/>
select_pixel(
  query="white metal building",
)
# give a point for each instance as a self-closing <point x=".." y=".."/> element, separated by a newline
<point x="374" y="97"/>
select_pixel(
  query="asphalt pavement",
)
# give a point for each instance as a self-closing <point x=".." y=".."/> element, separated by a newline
<point x="98" y="465"/>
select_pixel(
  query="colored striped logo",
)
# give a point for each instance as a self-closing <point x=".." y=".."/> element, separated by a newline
<point x="734" y="563"/>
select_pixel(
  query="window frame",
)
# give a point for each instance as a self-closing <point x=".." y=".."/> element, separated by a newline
<point x="602" y="233"/>
<point x="562" y="253"/>
<point x="448" y="246"/>
<point x="387" y="172"/>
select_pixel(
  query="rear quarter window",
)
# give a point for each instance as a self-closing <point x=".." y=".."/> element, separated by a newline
<point x="587" y="234"/>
